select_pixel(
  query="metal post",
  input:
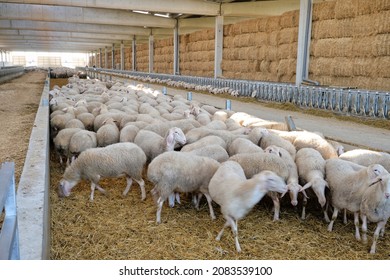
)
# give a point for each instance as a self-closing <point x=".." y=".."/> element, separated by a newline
<point x="133" y="54"/>
<point x="304" y="33"/>
<point x="218" y="46"/>
<point x="122" y="56"/>
<point x="113" y="56"/>
<point x="105" y="58"/>
<point x="176" y="49"/>
<point x="151" y="53"/>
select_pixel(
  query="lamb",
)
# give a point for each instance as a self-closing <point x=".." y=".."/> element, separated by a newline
<point x="237" y="195"/>
<point x="348" y="182"/>
<point x="153" y="144"/>
<point x="173" y="171"/>
<point x="375" y="207"/>
<point x="311" y="171"/>
<point x="366" y="157"/>
<point x="108" y="133"/>
<point x="81" y="141"/>
<point x="116" y="160"/>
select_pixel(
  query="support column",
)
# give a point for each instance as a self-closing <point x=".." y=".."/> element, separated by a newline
<point x="100" y="58"/>
<point x="2" y="59"/>
<point x="105" y="58"/>
<point x="176" y="70"/>
<point x="113" y="57"/>
<point x="151" y="53"/>
<point x="133" y="54"/>
<point x="122" y="56"/>
<point x="304" y="34"/>
<point x="218" y="46"/>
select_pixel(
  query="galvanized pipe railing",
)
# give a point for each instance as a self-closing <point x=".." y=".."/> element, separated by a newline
<point x="342" y="100"/>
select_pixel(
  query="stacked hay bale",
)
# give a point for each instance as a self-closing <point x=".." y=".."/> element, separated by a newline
<point x="262" y="49"/>
<point x="109" y="60"/>
<point x="117" y="58"/>
<point x="350" y="44"/>
<point x="163" y="56"/>
<point x="197" y="53"/>
<point x="128" y="58"/>
<point x="142" y="57"/>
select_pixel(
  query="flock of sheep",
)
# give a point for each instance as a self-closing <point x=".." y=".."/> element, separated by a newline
<point x="234" y="159"/>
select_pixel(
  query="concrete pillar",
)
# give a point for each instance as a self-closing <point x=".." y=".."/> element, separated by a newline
<point x="113" y="57"/>
<point x="133" y="54"/>
<point x="105" y="57"/>
<point x="151" y="53"/>
<point x="218" y="46"/>
<point x="176" y="70"/>
<point x="122" y="56"/>
<point x="304" y="34"/>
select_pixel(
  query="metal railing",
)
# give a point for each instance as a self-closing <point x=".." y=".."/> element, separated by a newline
<point x="342" y="100"/>
<point x="9" y="235"/>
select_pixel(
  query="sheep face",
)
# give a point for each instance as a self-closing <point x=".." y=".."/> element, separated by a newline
<point x="176" y="135"/>
<point x="272" y="181"/>
<point x="385" y="185"/>
<point x="65" y="187"/>
<point x="293" y="190"/>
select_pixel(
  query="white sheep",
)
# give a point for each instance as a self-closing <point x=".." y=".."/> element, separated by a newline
<point x="207" y="140"/>
<point x="108" y="133"/>
<point x="311" y="171"/>
<point x="128" y="133"/>
<point x="237" y="195"/>
<point x="256" y="162"/>
<point x="153" y="144"/>
<point x="61" y="142"/>
<point x="269" y="138"/>
<point x="347" y="183"/>
<point x="375" y="207"/>
<point x="366" y="157"/>
<point x="81" y="141"/>
<point x="306" y="139"/>
<point x="243" y="145"/>
<point x="116" y="160"/>
<point x="178" y="172"/>
<point x="212" y="151"/>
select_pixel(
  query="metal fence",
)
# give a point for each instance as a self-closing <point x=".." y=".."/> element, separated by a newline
<point x="342" y="100"/>
<point x="9" y="235"/>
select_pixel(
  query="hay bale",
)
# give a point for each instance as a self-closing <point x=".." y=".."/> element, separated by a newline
<point x="288" y="35"/>
<point x="289" y="19"/>
<point x="382" y="66"/>
<point x="383" y="19"/>
<point x="363" y="67"/>
<point x="324" y="10"/>
<point x="340" y="47"/>
<point x="346" y="9"/>
<point x="381" y="45"/>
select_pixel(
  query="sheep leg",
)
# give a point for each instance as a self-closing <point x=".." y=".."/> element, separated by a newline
<point x="304" y="203"/>
<point x="325" y="210"/>
<point x="221" y="232"/>
<point x="334" y="216"/>
<point x="235" y="232"/>
<point x="345" y="220"/>
<point x="160" y="202"/>
<point x="209" y="202"/>
<point x="356" y="222"/>
<point x="171" y="200"/>
<point x="378" y="229"/>
<point x="364" y="228"/>
<point x="129" y="181"/>
<point x="383" y="229"/>
<point x="93" y="187"/>
<point x="276" y="202"/>
<point x="141" y="184"/>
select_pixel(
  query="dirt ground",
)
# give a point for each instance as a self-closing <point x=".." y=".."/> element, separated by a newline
<point x="19" y="101"/>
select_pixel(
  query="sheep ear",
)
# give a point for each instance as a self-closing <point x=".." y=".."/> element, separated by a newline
<point x="170" y="138"/>
<point x="308" y="185"/>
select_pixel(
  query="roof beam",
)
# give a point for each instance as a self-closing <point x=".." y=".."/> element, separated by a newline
<point x="81" y="15"/>
<point x="167" y="6"/>
<point x="258" y="8"/>
<point x="73" y="27"/>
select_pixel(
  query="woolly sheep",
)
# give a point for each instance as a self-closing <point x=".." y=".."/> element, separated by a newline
<point x="58" y="122"/>
<point x="173" y="171"/>
<point x="311" y="171"/>
<point x="256" y="162"/>
<point x="243" y="145"/>
<point x="87" y="119"/>
<point x="307" y="139"/>
<point x="207" y="140"/>
<point x="61" y="142"/>
<point x="366" y="157"/>
<point x="81" y="141"/>
<point x="116" y="160"/>
<point x="375" y="207"/>
<point x="128" y="133"/>
<point x="74" y="123"/>
<point x="237" y="195"/>
<point x="212" y="151"/>
<point x="108" y="133"/>
<point x="347" y="183"/>
<point x="268" y="138"/>
<point x="153" y="144"/>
